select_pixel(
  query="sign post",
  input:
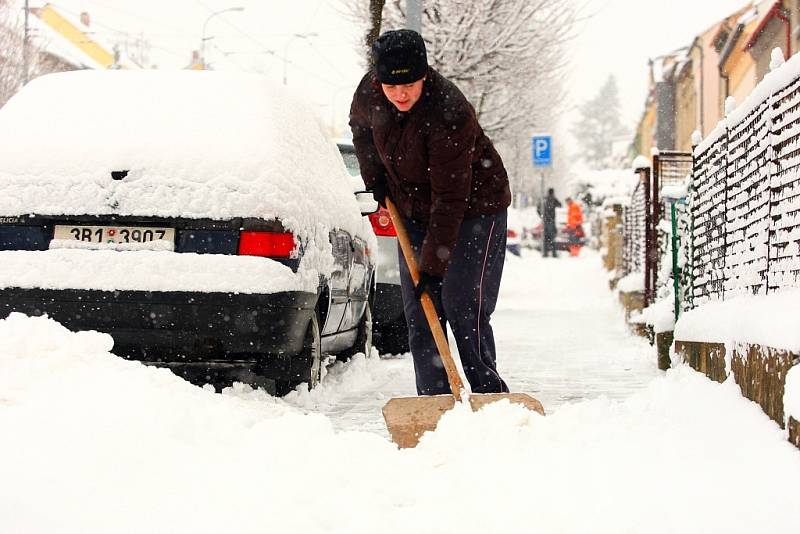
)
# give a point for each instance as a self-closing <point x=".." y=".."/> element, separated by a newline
<point x="542" y="155"/>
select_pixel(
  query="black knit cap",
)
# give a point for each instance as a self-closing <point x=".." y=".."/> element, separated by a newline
<point x="400" y="57"/>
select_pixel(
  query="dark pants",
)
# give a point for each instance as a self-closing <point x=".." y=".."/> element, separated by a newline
<point x="549" y="241"/>
<point x="466" y="302"/>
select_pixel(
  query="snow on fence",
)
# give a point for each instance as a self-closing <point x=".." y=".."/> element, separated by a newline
<point x="745" y="200"/>
<point x="707" y="201"/>
<point x="784" y="231"/>
<point x="634" y="225"/>
<point x="670" y="170"/>
<point x="647" y="222"/>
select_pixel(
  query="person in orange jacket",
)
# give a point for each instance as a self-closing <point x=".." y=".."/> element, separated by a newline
<point x="574" y="226"/>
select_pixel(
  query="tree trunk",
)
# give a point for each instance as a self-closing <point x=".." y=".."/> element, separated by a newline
<point x="375" y="20"/>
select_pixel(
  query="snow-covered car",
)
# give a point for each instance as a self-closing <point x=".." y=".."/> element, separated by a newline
<point x="389" y="320"/>
<point x="203" y="219"/>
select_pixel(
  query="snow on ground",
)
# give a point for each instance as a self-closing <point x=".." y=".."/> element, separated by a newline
<point x="772" y="320"/>
<point x="92" y="443"/>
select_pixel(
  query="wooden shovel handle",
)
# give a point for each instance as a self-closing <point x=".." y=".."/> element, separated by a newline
<point x="456" y="384"/>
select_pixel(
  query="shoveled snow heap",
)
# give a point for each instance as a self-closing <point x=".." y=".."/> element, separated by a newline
<point x="197" y="144"/>
<point x="94" y="444"/>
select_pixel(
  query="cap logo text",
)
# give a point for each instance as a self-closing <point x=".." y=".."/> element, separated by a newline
<point x="401" y="71"/>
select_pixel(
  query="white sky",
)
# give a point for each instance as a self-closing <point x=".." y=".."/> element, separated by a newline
<point x="618" y="39"/>
<point x="326" y="66"/>
<point x="623" y="34"/>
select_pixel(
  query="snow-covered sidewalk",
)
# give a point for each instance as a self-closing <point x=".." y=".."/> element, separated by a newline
<point x="560" y="336"/>
<point x="90" y="443"/>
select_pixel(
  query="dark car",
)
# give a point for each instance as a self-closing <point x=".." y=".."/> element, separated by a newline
<point x="222" y="265"/>
<point x="390" y="332"/>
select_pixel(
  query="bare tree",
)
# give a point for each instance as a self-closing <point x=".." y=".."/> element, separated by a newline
<point x="375" y="20"/>
<point x="13" y="63"/>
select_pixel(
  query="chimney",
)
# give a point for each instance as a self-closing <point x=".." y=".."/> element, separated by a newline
<point x="85" y="19"/>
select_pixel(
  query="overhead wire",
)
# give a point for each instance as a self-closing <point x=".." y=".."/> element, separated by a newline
<point x="116" y="30"/>
<point x="265" y="48"/>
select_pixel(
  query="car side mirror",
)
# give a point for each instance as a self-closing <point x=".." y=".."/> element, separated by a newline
<point x="366" y="202"/>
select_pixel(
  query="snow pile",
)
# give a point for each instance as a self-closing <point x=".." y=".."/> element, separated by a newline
<point x="196" y="144"/>
<point x="640" y="162"/>
<point x="631" y="282"/>
<point x="660" y="315"/>
<point x="771" y="320"/>
<point x="96" y="444"/>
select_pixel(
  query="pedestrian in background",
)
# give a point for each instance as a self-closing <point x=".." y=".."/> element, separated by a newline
<point x="418" y="142"/>
<point x="574" y="227"/>
<point x="549" y="229"/>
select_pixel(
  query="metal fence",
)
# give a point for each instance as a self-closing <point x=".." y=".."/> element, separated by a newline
<point x="784" y="210"/>
<point x="670" y="169"/>
<point x="634" y="230"/>
<point x="738" y="232"/>
<point x="745" y="203"/>
<point x="647" y="223"/>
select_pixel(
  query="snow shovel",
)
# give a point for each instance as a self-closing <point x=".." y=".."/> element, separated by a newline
<point x="407" y="418"/>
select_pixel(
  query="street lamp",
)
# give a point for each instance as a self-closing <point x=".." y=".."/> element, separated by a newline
<point x="286" y="49"/>
<point x="203" y="38"/>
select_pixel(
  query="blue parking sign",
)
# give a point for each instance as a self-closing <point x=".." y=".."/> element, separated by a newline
<point x="542" y="150"/>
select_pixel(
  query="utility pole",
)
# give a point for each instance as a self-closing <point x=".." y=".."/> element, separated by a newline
<point x="25" y="47"/>
<point x="414" y="15"/>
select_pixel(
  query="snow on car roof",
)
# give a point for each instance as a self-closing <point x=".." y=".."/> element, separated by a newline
<point x="197" y="144"/>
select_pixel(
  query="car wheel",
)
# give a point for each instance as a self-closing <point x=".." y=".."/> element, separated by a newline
<point x="393" y="338"/>
<point x="306" y="366"/>
<point x="363" y="341"/>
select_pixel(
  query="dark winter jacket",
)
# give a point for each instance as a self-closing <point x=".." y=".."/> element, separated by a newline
<point x="549" y="215"/>
<point x="435" y="159"/>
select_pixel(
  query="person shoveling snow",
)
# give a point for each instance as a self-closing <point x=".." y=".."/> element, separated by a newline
<point x="424" y="155"/>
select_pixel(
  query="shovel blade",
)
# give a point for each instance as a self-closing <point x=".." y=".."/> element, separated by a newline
<point x="407" y="418"/>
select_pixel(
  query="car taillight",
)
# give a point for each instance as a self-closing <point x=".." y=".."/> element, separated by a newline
<point x="382" y="223"/>
<point x="267" y="244"/>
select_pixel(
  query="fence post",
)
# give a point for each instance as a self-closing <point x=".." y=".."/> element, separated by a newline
<point x="653" y="252"/>
<point x="676" y="275"/>
<point x="648" y="261"/>
<point x="771" y="164"/>
<point x="689" y="270"/>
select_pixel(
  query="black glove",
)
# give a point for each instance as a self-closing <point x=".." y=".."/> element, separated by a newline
<point x="380" y="192"/>
<point x="427" y="282"/>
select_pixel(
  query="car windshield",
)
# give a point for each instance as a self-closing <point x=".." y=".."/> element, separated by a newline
<point x="350" y="160"/>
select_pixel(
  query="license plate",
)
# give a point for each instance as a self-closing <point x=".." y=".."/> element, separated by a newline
<point x="113" y="235"/>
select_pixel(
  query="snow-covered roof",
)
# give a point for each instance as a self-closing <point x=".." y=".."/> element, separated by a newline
<point x="53" y="42"/>
<point x="67" y="37"/>
<point x="195" y="143"/>
<point x="781" y="76"/>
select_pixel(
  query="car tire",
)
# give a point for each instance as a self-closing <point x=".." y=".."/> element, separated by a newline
<point x="363" y="342"/>
<point x="306" y="367"/>
<point x="393" y="338"/>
